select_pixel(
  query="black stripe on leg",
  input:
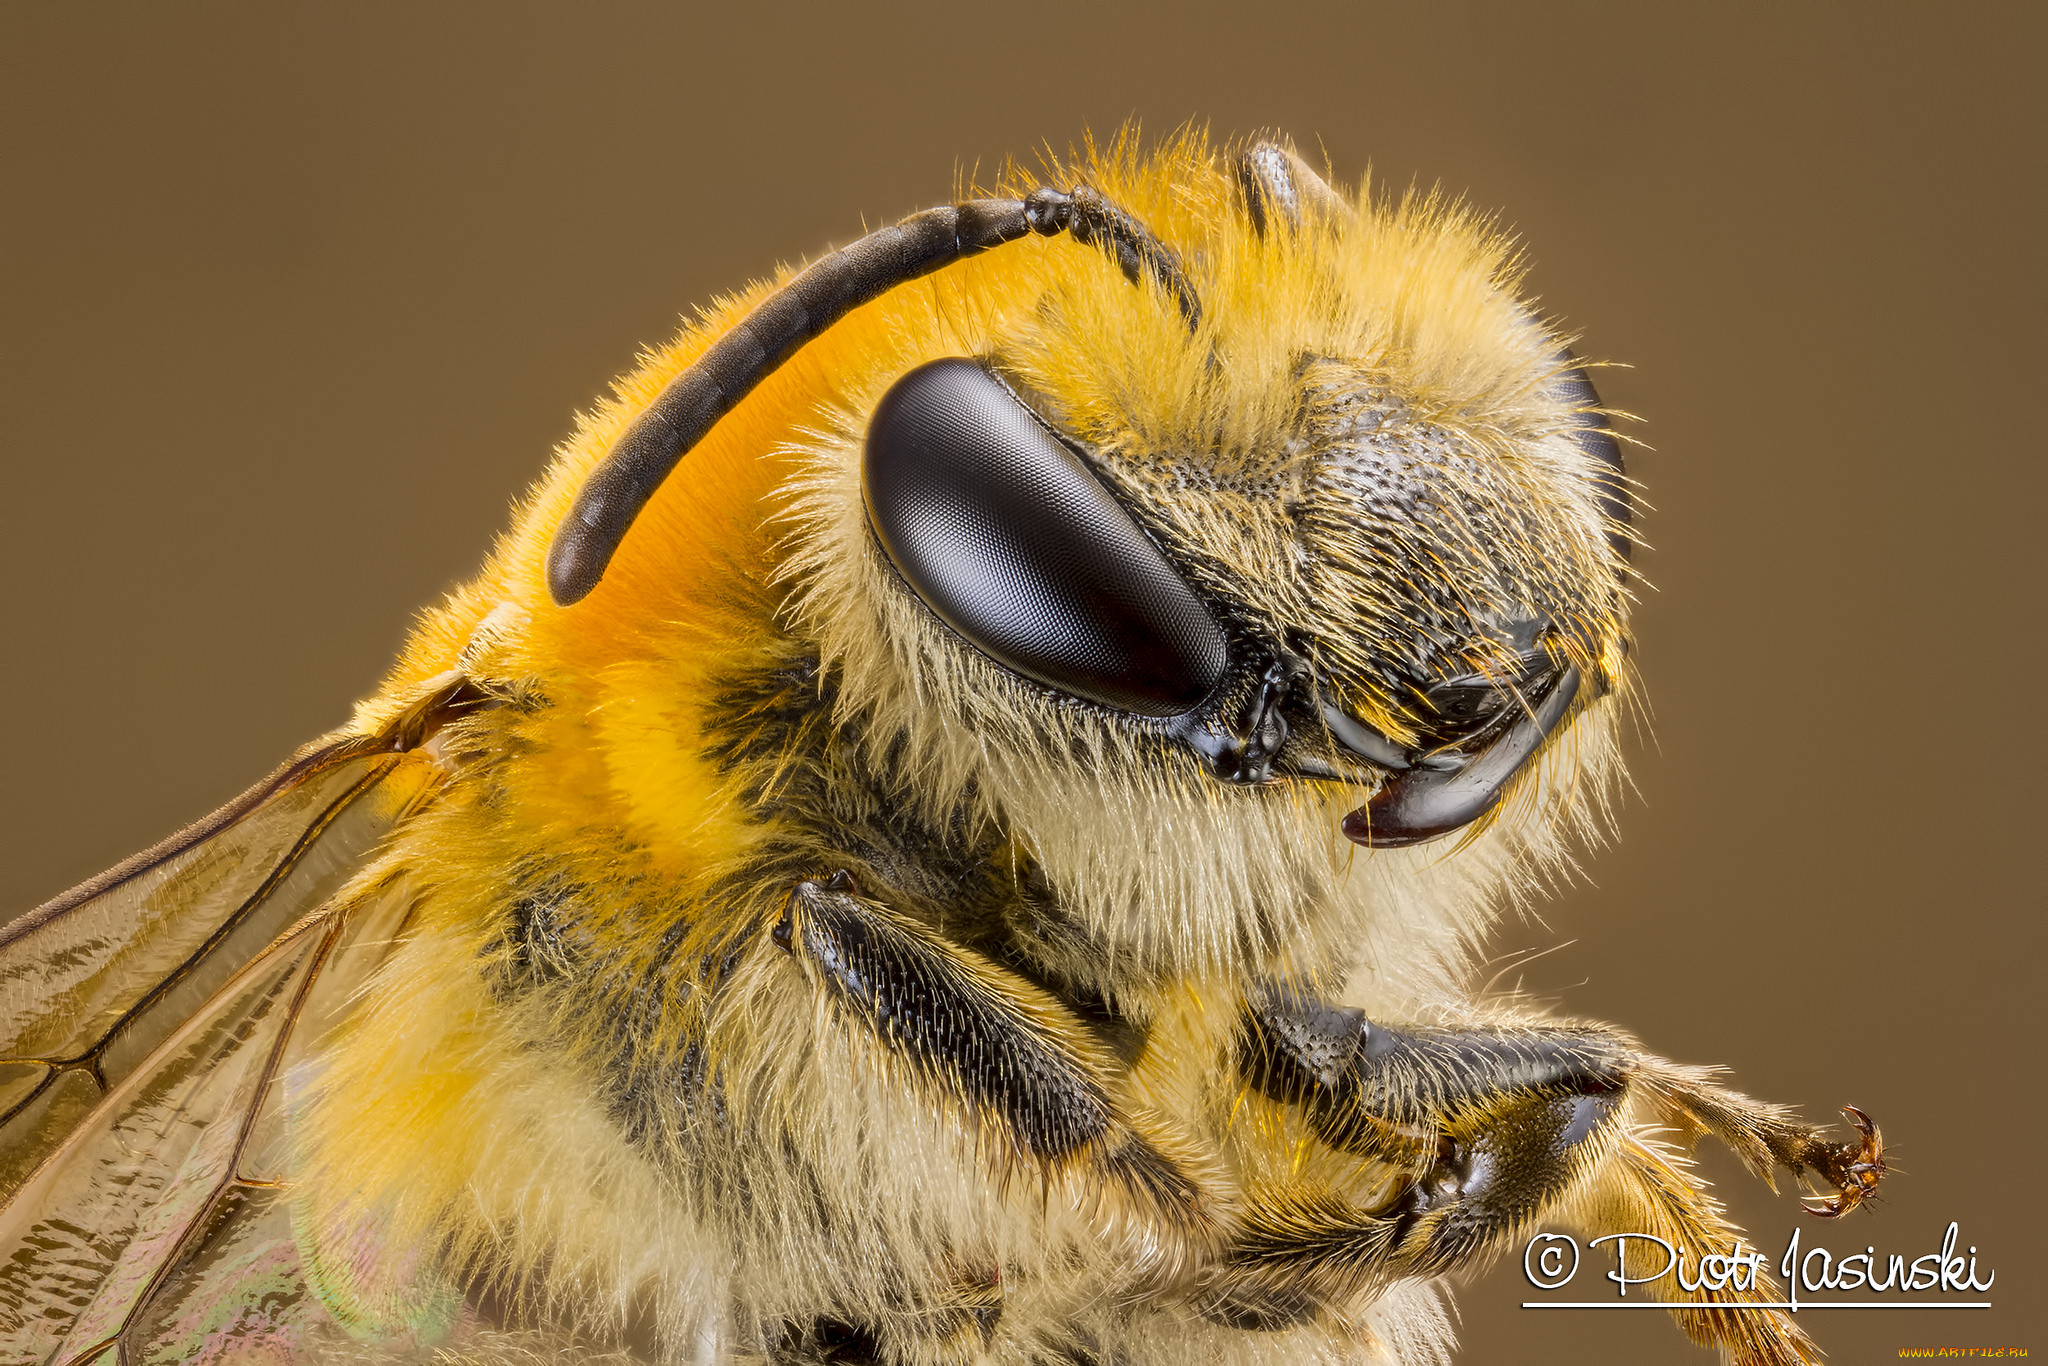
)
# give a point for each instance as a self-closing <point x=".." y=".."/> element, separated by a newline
<point x="954" y="1019"/>
<point x="1296" y="1254"/>
<point x="1299" y="1252"/>
<point x="1370" y="1089"/>
<point x="1523" y="1159"/>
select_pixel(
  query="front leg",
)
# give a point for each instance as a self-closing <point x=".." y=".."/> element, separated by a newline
<point x="1014" y="1061"/>
<point x="1485" y="1130"/>
<point x="958" y="1024"/>
<point x="1769" y="1136"/>
<point x="1011" y="1066"/>
<point x="1493" y="1129"/>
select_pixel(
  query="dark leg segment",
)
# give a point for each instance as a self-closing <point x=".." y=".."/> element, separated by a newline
<point x="1385" y="1093"/>
<point x="1493" y="1127"/>
<point x="986" y="1038"/>
<point x="1490" y="1125"/>
<point x="1027" y="1070"/>
<point x="959" y="1022"/>
<point x="1300" y="1253"/>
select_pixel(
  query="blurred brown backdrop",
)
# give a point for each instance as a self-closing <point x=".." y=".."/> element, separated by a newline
<point x="295" y="302"/>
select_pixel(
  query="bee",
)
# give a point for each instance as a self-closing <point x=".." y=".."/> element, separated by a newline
<point x="957" y="825"/>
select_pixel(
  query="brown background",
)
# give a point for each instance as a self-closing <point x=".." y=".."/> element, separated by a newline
<point x="295" y="303"/>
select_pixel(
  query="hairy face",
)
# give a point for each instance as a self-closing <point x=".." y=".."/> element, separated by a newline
<point x="1173" y="606"/>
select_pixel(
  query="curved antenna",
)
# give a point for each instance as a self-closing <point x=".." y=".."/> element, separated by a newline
<point x="820" y="295"/>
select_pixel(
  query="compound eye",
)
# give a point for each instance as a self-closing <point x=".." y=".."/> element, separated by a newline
<point x="1007" y="534"/>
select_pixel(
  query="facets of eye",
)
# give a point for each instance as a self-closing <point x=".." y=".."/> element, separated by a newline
<point x="1004" y="532"/>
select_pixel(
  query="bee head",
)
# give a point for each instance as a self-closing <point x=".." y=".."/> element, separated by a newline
<point x="1376" y="597"/>
<point x="1278" y="516"/>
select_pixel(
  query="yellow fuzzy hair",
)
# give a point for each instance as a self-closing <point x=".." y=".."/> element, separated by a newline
<point x="448" y="1120"/>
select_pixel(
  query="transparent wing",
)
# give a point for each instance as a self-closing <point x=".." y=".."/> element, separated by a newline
<point x="146" y="1019"/>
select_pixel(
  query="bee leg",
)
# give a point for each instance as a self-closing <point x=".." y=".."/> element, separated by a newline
<point x="1485" y="1129"/>
<point x="1481" y="1169"/>
<point x="1769" y="1136"/>
<point x="954" y="1022"/>
<point x="1855" y="1168"/>
<point x="1526" y="1121"/>
<point x="1397" y="1095"/>
<point x="1647" y="1189"/>
<point x="1382" y="1092"/>
<point x="1009" y="1055"/>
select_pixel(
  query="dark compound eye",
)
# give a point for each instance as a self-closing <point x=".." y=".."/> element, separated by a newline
<point x="1007" y="534"/>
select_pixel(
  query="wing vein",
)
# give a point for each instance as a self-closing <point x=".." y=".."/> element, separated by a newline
<point x="89" y="1059"/>
<point x="197" y="1224"/>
